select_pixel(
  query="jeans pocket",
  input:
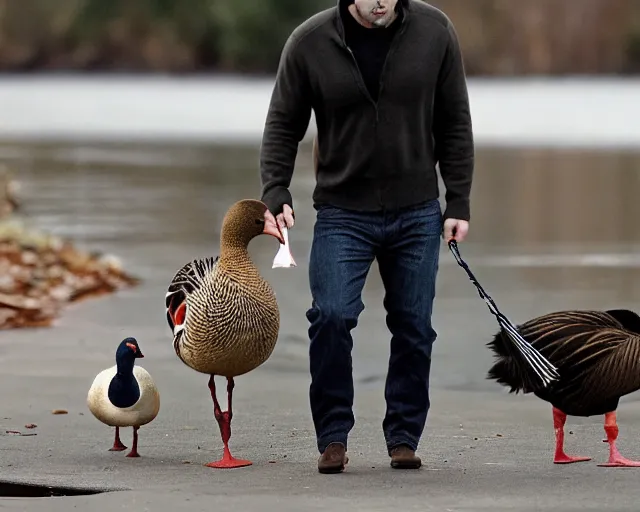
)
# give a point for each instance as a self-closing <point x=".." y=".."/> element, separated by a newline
<point x="426" y="220"/>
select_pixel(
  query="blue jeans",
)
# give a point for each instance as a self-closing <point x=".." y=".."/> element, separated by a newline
<point x="406" y="244"/>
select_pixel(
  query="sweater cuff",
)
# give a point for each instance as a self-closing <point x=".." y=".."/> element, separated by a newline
<point x="275" y="199"/>
<point x="457" y="209"/>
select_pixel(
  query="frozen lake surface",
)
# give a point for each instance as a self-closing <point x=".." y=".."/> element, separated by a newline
<point x="595" y="113"/>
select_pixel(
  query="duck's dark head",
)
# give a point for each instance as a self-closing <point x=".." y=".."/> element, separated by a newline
<point x="629" y="320"/>
<point x="245" y="220"/>
<point x="128" y="350"/>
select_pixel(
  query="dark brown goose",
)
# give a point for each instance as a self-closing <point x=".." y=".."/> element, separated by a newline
<point x="223" y="314"/>
<point x="597" y="354"/>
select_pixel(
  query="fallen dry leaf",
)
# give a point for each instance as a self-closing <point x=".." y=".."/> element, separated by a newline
<point x="59" y="411"/>
<point x="41" y="274"/>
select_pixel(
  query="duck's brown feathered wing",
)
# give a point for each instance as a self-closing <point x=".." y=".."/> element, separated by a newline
<point x="186" y="281"/>
<point x="616" y="373"/>
<point x="594" y="355"/>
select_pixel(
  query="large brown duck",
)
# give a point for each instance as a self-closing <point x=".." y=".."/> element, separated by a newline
<point x="597" y="354"/>
<point x="223" y="314"/>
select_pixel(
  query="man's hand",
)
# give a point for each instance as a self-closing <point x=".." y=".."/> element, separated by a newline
<point x="284" y="219"/>
<point x="455" y="228"/>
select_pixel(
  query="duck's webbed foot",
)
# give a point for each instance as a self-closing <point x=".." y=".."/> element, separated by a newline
<point x="224" y="422"/>
<point x="615" y="459"/>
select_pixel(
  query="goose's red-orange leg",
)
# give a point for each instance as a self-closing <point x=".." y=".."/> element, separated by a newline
<point x="117" y="444"/>
<point x="615" y="459"/>
<point x="134" y="447"/>
<point x="559" y="419"/>
<point x="224" y="422"/>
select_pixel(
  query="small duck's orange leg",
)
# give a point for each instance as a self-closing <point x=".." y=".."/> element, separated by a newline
<point x="559" y="419"/>
<point x="615" y="459"/>
<point x="117" y="444"/>
<point x="224" y="422"/>
<point x="134" y="448"/>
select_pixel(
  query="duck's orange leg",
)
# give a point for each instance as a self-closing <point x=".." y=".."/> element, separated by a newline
<point x="559" y="419"/>
<point x="615" y="459"/>
<point x="134" y="448"/>
<point x="117" y="444"/>
<point x="224" y="422"/>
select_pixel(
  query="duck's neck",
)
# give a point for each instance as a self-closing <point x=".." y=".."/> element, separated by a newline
<point x="235" y="258"/>
<point x="124" y="390"/>
<point x="125" y="369"/>
<point x="234" y="253"/>
<point x="234" y="246"/>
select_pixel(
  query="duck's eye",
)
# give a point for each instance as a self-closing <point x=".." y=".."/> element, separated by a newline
<point x="259" y="221"/>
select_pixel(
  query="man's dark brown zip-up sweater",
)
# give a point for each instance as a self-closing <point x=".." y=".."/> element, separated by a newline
<point x="373" y="154"/>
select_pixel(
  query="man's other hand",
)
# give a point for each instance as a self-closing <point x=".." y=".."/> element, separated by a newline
<point x="455" y="228"/>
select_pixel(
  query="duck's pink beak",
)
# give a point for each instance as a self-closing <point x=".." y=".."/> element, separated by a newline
<point x="271" y="228"/>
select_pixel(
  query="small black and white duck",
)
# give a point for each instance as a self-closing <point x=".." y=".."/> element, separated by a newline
<point x="124" y="395"/>
<point x="597" y="354"/>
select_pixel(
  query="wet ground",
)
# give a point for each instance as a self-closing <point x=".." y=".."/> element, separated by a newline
<point x="551" y="229"/>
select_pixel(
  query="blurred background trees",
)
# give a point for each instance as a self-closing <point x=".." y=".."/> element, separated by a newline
<point x="553" y="37"/>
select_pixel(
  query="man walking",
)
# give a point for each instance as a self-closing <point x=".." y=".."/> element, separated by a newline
<point x="386" y="82"/>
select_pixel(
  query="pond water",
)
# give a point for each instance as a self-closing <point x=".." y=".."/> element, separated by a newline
<point x="551" y="229"/>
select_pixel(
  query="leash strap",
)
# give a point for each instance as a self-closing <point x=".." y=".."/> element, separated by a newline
<point x="545" y="371"/>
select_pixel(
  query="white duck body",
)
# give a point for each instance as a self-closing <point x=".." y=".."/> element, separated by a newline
<point x="140" y="413"/>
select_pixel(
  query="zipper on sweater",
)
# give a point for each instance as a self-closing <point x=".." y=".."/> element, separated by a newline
<point x="394" y="44"/>
<point x="392" y="48"/>
<point x="362" y="84"/>
<point x="369" y="97"/>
